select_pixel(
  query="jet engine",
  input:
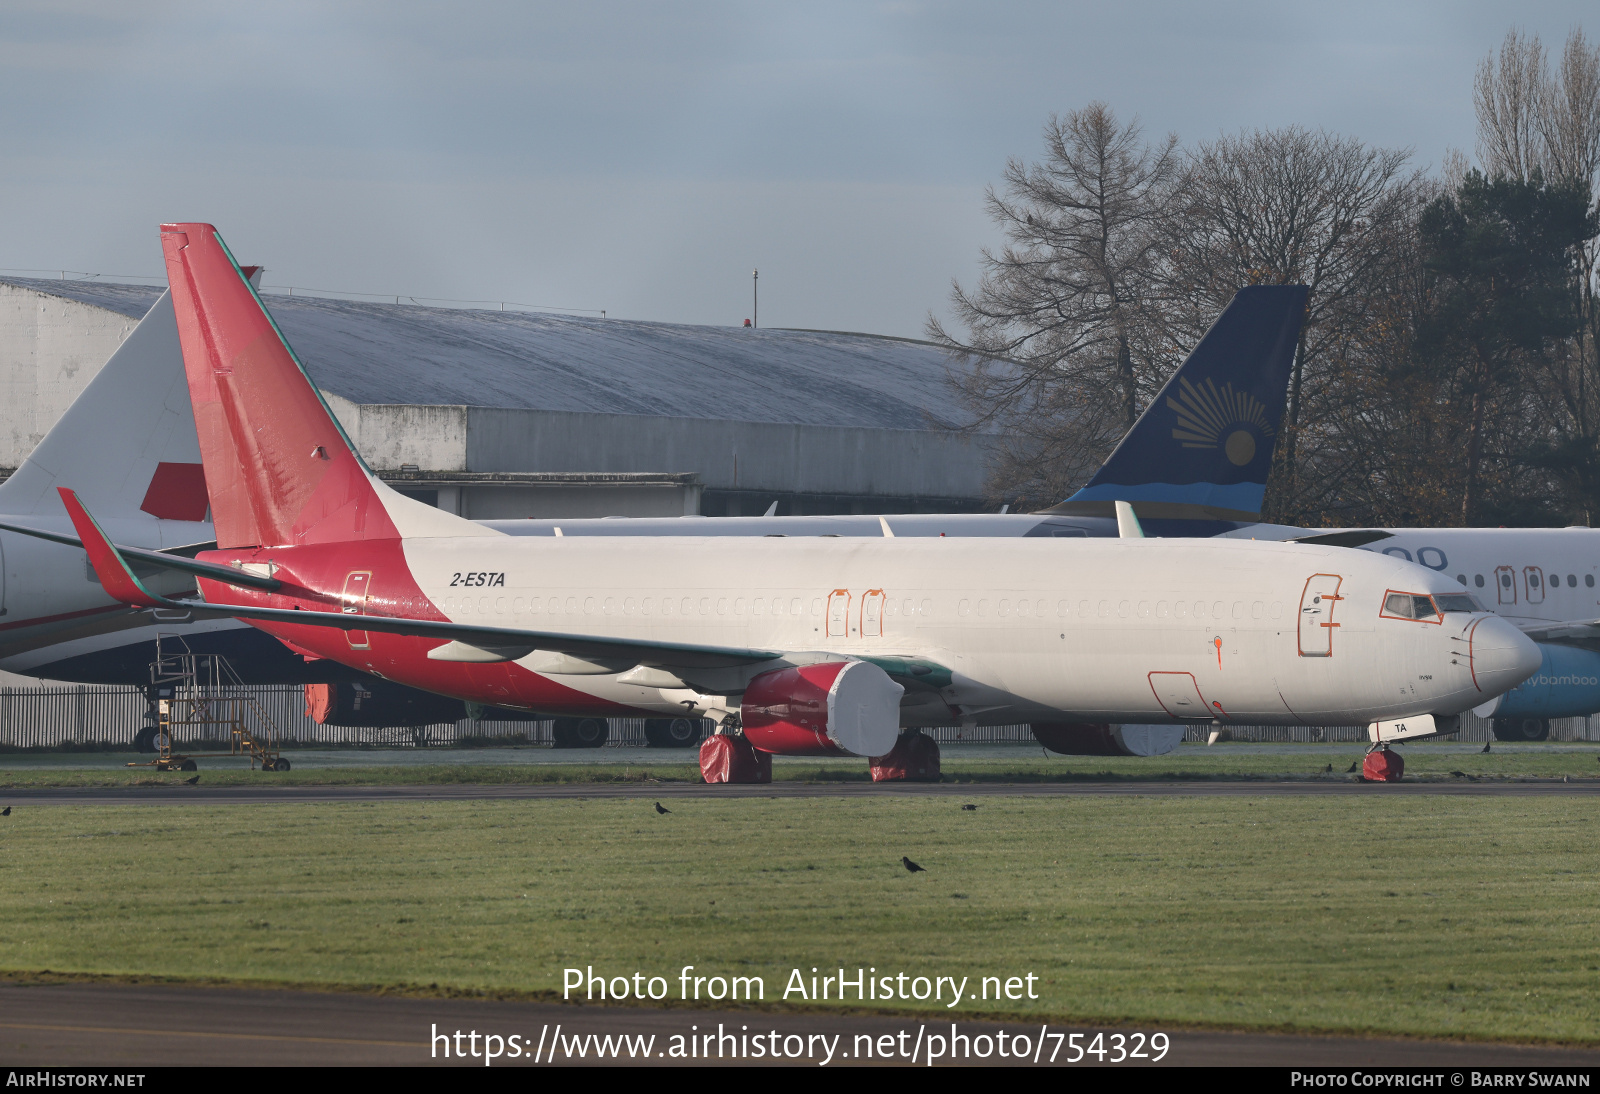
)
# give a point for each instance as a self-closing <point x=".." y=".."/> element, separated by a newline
<point x="379" y="703"/>
<point x="841" y="708"/>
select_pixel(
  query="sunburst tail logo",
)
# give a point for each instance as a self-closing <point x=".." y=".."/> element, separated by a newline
<point x="1212" y="417"/>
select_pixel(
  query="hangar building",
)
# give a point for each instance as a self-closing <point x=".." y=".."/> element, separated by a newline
<point x="504" y="414"/>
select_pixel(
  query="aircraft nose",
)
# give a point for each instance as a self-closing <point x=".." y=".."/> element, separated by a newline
<point x="1502" y="656"/>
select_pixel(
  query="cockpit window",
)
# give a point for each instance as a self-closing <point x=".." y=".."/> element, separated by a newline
<point x="1458" y="602"/>
<point x="1412" y="606"/>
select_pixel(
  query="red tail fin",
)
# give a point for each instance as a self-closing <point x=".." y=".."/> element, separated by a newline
<point x="279" y="468"/>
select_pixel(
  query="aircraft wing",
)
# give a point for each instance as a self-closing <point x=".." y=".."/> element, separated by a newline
<point x="480" y="643"/>
<point x="1585" y="633"/>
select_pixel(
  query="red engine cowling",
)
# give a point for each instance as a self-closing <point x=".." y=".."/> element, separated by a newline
<point x="842" y="708"/>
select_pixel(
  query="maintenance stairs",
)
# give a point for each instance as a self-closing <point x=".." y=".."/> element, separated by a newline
<point x="197" y="693"/>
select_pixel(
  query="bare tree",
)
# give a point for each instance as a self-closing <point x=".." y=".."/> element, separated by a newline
<point x="1537" y="127"/>
<point x="1292" y="206"/>
<point x="1568" y="116"/>
<point x="1507" y="95"/>
<point x="1061" y="346"/>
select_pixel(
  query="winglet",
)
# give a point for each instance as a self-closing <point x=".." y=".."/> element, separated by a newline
<point x="1128" y="522"/>
<point x="109" y="565"/>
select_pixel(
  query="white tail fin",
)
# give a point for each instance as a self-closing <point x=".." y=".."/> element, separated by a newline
<point x="126" y="444"/>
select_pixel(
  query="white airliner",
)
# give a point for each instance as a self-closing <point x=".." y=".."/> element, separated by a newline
<point x="61" y="623"/>
<point x="811" y="645"/>
<point x="1541" y="579"/>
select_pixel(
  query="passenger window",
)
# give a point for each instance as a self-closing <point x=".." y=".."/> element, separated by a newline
<point x="1461" y="578"/>
<point x="1588" y="579"/>
<point x="1477" y="579"/>
<point x="1533" y="580"/>
<point x="1572" y="581"/>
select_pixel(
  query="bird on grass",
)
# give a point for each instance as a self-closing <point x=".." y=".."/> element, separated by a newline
<point x="661" y="809"/>
<point x="191" y="782"/>
<point x="6" y="812"/>
<point x="1351" y="770"/>
<point x="969" y="808"/>
<point x="1328" y="769"/>
<point x="911" y="867"/>
<point x="1485" y="746"/>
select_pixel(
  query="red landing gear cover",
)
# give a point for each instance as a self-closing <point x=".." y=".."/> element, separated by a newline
<point x="915" y="757"/>
<point x="725" y="759"/>
<point x="1383" y="766"/>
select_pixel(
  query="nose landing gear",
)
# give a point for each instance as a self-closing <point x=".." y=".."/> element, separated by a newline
<point x="1383" y="765"/>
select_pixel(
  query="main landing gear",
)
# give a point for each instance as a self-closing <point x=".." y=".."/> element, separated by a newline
<point x="727" y="756"/>
<point x="580" y="732"/>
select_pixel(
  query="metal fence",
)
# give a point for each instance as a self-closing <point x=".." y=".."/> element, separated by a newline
<point x="90" y="716"/>
<point x="1473" y="729"/>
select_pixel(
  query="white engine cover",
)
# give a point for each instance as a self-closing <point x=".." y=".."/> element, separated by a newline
<point x="864" y="710"/>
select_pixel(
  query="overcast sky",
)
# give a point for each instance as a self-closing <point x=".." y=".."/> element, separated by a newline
<point x="643" y="158"/>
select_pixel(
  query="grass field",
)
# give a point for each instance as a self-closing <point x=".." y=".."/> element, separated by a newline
<point x="1004" y="764"/>
<point x="1476" y="917"/>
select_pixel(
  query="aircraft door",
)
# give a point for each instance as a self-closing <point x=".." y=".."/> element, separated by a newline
<point x="839" y="613"/>
<point x="1180" y="696"/>
<point x="872" y="614"/>
<point x="1317" y="601"/>
<point x="357" y="592"/>
<point x="1533" y="582"/>
<point x="1505" y="584"/>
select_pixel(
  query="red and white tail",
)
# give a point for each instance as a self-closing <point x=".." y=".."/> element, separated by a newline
<point x="279" y="468"/>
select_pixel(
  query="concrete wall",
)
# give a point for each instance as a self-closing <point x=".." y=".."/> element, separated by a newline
<point x="524" y="502"/>
<point x="50" y="348"/>
<point x="389" y="437"/>
<point x="799" y="459"/>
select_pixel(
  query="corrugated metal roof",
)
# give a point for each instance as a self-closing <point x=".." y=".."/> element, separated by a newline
<point x="409" y="354"/>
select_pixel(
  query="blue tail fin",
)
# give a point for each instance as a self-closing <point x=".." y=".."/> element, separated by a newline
<point x="1201" y="451"/>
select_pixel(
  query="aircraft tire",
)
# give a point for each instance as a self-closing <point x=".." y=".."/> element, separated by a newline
<point x="580" y="732"/>
<point x="145" y="739"/>
<point x="672" y="732"/>
<point x="188" y="765"/>
<point x="281" y="764"/>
